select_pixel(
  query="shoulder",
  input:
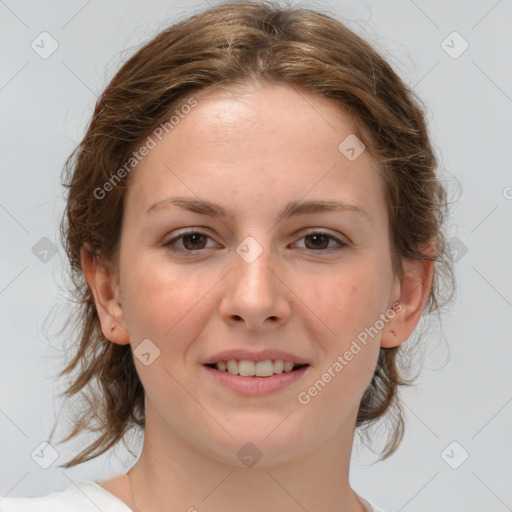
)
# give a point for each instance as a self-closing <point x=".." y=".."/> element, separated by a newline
<point x="375" y="509"/>
<point x="369" y="507"/>
<point x="84" y="496"/>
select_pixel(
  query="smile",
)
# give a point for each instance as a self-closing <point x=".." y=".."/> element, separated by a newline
<point x="256" y="378"/>
<point x="247" y="368"/>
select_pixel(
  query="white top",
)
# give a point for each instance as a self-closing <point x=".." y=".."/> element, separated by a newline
<point x="84" y="496"/>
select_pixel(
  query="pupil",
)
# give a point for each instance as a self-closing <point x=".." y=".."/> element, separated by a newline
<point x="317" y="237"/>
<point x="194" y="236"/>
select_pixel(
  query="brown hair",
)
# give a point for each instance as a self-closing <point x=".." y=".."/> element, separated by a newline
<point x="233" y="44"/>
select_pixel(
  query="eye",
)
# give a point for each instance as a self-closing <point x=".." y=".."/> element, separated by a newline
<point x="318" y="240"/>
<point x="195" y="241"/>
<point x="192" y="241"/>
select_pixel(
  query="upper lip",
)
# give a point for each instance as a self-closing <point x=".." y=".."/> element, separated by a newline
<point x="262" y="355"/>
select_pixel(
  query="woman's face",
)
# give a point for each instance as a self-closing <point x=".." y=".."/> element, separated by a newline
<point x="269" y="276"/>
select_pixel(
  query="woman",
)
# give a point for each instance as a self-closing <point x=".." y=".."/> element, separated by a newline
<point x="254" y="224"/>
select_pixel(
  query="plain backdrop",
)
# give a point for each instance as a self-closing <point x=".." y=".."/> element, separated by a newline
<point x="457" y="451"/>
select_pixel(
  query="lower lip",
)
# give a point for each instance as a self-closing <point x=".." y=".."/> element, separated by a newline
<point x="256" y="385"/>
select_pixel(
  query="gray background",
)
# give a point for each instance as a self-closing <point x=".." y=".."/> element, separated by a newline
<point x="464" y="394"/>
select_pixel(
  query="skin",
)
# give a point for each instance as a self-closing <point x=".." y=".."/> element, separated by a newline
<point x="253" y="151"/>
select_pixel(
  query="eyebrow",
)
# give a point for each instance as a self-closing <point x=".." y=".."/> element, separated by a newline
<point x="292" y="209"/>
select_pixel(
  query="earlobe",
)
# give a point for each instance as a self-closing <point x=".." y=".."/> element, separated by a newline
<point x="101" y="280"/>
<point x="414" y="290"/>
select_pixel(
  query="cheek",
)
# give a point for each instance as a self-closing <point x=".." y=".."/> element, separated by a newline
<point x="159" y="297"/>
<point x="337" y="393"/>
<point x="168" y="306"/>
<point x="347" y="300"/>
<point x="349" y="303"/>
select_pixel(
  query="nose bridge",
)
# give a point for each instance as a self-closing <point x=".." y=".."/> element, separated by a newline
<point x="254" y="292"/>
<point x="253" y="264"/>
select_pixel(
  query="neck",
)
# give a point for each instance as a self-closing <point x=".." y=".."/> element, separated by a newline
<point x="171" y="474"/>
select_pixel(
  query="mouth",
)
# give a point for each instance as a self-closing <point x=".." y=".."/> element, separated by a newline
<point x="256" y="378"/>
<point x="255" y="369"/>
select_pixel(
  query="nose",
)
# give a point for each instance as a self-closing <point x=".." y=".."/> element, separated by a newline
<point x="254" y="295"/>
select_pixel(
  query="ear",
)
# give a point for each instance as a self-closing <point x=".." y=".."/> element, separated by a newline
<point x="105" y="289"/>
<point x="410" y="298"/>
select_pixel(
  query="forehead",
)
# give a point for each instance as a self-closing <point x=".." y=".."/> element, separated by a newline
<point x="269" y="112"/>
<point x="259" y="143"/>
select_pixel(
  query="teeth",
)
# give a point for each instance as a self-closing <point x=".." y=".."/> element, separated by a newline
<point x="262" y="368"/>
<point x="288" y="366"/>
<point x="247" y="368"/>
<point x="278" y="366"/>
<point x="232" y="367"/>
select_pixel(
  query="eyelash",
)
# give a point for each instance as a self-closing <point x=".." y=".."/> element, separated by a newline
<point x="173" y="249"/>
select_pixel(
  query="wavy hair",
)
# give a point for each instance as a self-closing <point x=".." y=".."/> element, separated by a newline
<point x="232" y="44"/>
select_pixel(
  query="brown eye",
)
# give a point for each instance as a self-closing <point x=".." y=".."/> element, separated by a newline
<point x="319" y="241"/>
<point x="192" y="241"/>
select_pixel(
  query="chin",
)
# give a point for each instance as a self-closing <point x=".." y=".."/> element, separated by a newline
<point x="258" y="446"/>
